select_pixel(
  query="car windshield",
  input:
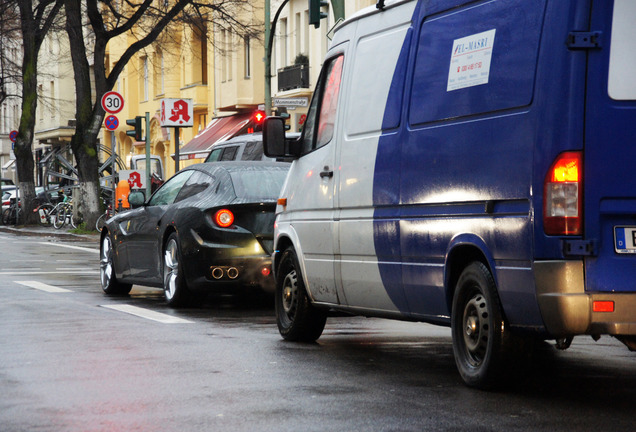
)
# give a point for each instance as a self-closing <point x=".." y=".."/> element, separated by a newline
<point x="258" y="183"/>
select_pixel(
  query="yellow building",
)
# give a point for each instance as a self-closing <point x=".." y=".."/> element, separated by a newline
<point x="221" y="72"/>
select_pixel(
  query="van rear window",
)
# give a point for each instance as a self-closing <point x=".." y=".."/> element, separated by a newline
<point x="476" y="60"/>
<point x="621" y="84"/>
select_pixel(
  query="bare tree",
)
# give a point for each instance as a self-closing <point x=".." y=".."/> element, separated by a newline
<point x="35" y="21"/>
<point x="108" y="19"/>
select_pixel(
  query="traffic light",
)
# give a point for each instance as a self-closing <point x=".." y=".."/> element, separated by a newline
<point x="257" y="120"/>
<point x="136" y="124"/>
<point x="315" y="14"/>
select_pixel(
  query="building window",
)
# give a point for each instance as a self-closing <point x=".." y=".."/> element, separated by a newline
<point x="248" y="65"/>
<point x="53" y="107"/>
<point x="144" y="77"/>
<point x="283" y="43"/>
<point x="223" y="45"/>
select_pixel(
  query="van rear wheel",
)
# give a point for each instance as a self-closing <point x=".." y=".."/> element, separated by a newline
<point x="297" y="318"/>
<point x="480" y="335"/>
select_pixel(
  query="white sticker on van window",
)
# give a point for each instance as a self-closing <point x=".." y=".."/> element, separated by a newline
<point x="470" y="60"/>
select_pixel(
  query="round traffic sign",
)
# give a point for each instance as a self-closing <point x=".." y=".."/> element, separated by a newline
<point x="13" y="135"/>
<point x="111" y="122"/>
<point x="112" y="102"/>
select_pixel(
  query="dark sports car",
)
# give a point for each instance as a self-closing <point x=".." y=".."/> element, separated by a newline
<point x="210" y="227"/>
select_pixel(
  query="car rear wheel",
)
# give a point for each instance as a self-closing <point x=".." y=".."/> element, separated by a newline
<point x="110" y="284"/>
<point x="174" y="285"/>
<point x="481" y="338"/>
<point x="297" y="318"/>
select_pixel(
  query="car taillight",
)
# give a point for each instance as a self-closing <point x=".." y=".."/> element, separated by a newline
<point x="563" y="196"/>
<point x="224" y="218"/>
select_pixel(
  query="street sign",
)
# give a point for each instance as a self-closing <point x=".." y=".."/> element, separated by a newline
<point x="111" y="122"/>
<point x="176" y="113"/>
<point x="112" y="102"/>
<point x="13" y="135"/>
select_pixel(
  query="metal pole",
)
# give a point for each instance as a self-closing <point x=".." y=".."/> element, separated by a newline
<point x="148" y="189"/>
<point x="268" y="60"/>
<point x="176" y="150"/>
<point x="270" y="30"/>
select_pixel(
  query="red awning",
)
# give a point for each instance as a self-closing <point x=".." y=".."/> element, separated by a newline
<point x="218" y="130"/>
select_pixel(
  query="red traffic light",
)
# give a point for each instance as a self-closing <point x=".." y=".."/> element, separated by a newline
<point x="259" y="116"/>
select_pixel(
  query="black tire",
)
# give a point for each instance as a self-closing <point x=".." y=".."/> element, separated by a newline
<point x="297" y="318"/>
<point x="482" y="342"/>
<point x="6" y="216"/>
<point x="174" y="284"/>
<point x="44" y="214"/>
<point x="110" y="284"/>
<point x="59" y="218"/>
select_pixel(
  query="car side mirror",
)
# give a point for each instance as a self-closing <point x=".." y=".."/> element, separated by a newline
<point x="136" y="199"/>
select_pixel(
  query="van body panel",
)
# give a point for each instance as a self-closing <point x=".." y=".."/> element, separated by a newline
<point x="388" y="33"/>
<point x="610" y="152"/>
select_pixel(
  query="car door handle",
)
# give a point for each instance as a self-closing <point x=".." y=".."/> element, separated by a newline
<point x="326" y="173"/>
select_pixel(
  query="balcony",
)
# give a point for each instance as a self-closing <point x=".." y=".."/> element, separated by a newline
<point x="293" y="77"/>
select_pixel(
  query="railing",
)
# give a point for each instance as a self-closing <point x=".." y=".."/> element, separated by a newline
<point x="293" y="77"/>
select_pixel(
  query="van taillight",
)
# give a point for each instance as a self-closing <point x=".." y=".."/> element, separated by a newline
<point x="563" y="196"/>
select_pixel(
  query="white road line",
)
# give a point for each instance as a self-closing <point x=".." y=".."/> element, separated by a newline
<point x="43" y="287"/>
<point x="71" y="247"/>
<point x="48" y="272"/>
<point x="148" y="314"/>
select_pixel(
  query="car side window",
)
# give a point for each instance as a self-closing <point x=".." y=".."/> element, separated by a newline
<point x="214" y="155"/>
<point x="229" y="153"/>
<point x="321" y="118"/>
<point x="167" y="193"/>
<point x="197" y="183"/>
<point x="253" y="151"/>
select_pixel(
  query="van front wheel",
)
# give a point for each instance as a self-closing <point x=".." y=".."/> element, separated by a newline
<point x="478" y="328"/>
<point x="297" y="318"/>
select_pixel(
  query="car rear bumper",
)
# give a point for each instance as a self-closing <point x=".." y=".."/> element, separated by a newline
<point x="568" y="310"/>
<point x="220" y="274"/>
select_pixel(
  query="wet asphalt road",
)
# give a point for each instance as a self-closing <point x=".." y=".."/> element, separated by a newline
<point x="76" y="360"/>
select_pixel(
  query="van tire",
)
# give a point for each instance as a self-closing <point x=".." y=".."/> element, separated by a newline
<point x="298" y="320"/>
<point x="480" y="335"/>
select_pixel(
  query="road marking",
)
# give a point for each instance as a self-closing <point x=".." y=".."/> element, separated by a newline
<point x="71" y="247"/>
<point x="148" y="314"/>
<point x="48" y="272"/>
<point x="43" y="287"/>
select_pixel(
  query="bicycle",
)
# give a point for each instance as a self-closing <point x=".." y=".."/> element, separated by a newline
<point x="108" y="213"/>
<point x="11" y="215"/>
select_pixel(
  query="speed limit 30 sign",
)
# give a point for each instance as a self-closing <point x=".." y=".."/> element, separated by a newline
<point x="112" y="102"/>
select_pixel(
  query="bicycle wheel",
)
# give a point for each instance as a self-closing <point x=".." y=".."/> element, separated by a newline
<point x="6" y="214"/>
<point x="59" y="219"/>
<point x="44" y="213"/>
<point x="68" y="215"/>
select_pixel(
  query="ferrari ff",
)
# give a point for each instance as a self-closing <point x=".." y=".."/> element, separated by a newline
<point x="208" y="228"/>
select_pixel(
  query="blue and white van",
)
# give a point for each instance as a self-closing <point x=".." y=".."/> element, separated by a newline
<point x="468" y="164"/>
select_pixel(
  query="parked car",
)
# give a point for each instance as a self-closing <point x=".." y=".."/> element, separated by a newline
<point x="242" y="148"/>
<point x="6" y="184"/>
<point x="208" y="228"/>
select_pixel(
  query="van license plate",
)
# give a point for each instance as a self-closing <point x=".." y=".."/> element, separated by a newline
<point x="625" y="239"/>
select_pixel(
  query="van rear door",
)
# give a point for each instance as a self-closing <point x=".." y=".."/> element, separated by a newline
<point x="610" y="150"/>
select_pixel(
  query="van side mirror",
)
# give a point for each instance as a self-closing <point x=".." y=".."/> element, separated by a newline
<point x="274" y="137"/>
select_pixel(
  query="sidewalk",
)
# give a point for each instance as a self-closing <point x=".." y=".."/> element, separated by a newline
<point x="37" y="230"/>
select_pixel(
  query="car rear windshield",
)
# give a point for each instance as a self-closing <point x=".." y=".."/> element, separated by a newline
<point x="258" y="183"/>
<point x="621" y="83"/>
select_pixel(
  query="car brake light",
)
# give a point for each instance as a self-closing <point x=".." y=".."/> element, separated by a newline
<point x="562" y="197"/>
<point x="224" y="218"/>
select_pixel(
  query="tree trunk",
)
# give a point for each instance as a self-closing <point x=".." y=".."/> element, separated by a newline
<point x="24" y="141"/>
<point x="88" y="119"/>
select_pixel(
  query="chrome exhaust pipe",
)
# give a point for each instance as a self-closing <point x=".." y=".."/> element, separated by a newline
<point x="217" y="273"/>
<point x="232" y="272"/>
